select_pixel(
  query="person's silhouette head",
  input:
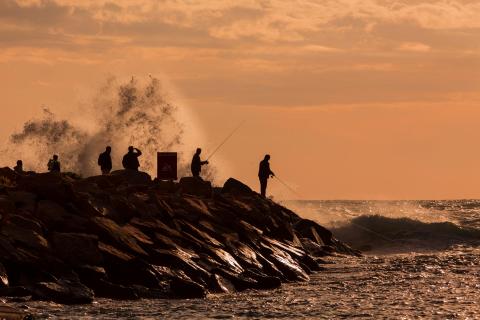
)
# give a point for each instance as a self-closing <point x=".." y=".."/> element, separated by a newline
<point x="199" y="150"/>
<point x="267" y="157"/>
<point x="55" y="157"/>
<point x="130" y="149"/>
<point x="19" y="163"/>
<point x="108" y="149"/>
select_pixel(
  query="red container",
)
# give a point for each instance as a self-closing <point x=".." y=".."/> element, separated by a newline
<point x="167" y="165"/>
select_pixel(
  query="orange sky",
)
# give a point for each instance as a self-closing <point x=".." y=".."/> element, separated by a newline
<point x="353" y="99"/>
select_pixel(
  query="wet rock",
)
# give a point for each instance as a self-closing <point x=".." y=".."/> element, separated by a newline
<point x="313" y="231"/>
<point x="111" y="232"/>
<point x="181" y="259"/>
<point x="195" y="186"/>
<point x="77" y="248"/>
<point x="113" y="255"/>
<point x="241" y="282"/>
<point x="284" y="262"/>
<point x="218" y="284"/>
<point x="3" y="276"/>
<point x="63" y="291"/>
<point x="236" y="187"/>
<point x="315" y="249"/>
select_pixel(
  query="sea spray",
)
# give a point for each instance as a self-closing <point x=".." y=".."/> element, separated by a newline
<point x="136" y="112"/>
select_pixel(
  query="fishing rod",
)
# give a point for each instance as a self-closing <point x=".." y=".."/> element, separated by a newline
<point x="226" y="139"/>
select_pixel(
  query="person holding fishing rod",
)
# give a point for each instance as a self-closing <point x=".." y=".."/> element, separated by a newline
<point x="264" y="173"/>
<point x="197" y="163"/>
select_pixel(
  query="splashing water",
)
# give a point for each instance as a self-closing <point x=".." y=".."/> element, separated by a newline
<point x="134" y="112"/>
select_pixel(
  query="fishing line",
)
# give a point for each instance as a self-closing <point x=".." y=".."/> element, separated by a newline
<point x="288" y="187"/>
<point x="226" y="139"/>
<point x="350" y="215"/>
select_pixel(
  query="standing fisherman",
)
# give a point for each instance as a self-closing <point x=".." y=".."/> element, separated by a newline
<point x="264" y="173"/>
<point x="54" y="164"/>
<point x="105" y="160"/>
<point x="130" y="160"/>
<point x="197" y="164"/>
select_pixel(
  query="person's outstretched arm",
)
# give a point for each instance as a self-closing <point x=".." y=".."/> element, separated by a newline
<point x="139" y="153"/>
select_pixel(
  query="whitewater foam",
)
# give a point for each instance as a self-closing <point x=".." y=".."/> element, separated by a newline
<point x="138" y="112"/>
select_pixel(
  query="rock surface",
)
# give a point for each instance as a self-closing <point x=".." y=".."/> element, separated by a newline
<point x="123" y="236"/>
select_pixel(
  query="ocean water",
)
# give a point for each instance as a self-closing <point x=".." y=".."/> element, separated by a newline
<point x="421" y="261"/>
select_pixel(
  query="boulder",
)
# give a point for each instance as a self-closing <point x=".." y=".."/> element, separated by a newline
<point x="241" y="282"/>
<point x="134" y="272"/>
<point x="195" y="186"/>
<point x="132" y="177"/>
<point x="77" y="248"/>
<point x="26" y="222"/>
<point x="284" y="262"/>
<point x="187" y="289"/>
<point x="106" y="289"/>
<point x="111" y="232"/>
<point x="219" y="284"/>
<point x="149" y="293"/>
<point x="23" y="200"/>
<point x="51" y="185"/>
<point x="55" y="217"/>
<point x="313" y="231"/>
<point x="181" y="259"/>
<point x="63" y="291"/>
<point x="24" y="236"/>
<point x="165" y="186"/>
<point x="236" y="187"/>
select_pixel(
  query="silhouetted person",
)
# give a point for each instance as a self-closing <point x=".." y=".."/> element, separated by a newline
<point x="54" y="164"/>
<point x="19" y="167"/>
<point x="264" y="173"/>
<point x="197" y="164"/>
<point x="130" y="160"/>
<point x="105" y="160"/>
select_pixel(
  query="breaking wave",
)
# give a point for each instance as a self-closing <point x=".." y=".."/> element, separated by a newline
<point x="372" y="232"/>
<point x="122" y="113"/>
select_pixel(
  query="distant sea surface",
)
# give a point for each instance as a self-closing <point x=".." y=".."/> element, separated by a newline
<point x="422" y="260"/>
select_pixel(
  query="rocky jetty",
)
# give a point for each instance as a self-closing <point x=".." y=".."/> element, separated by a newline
<point x="124" y="236"/>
